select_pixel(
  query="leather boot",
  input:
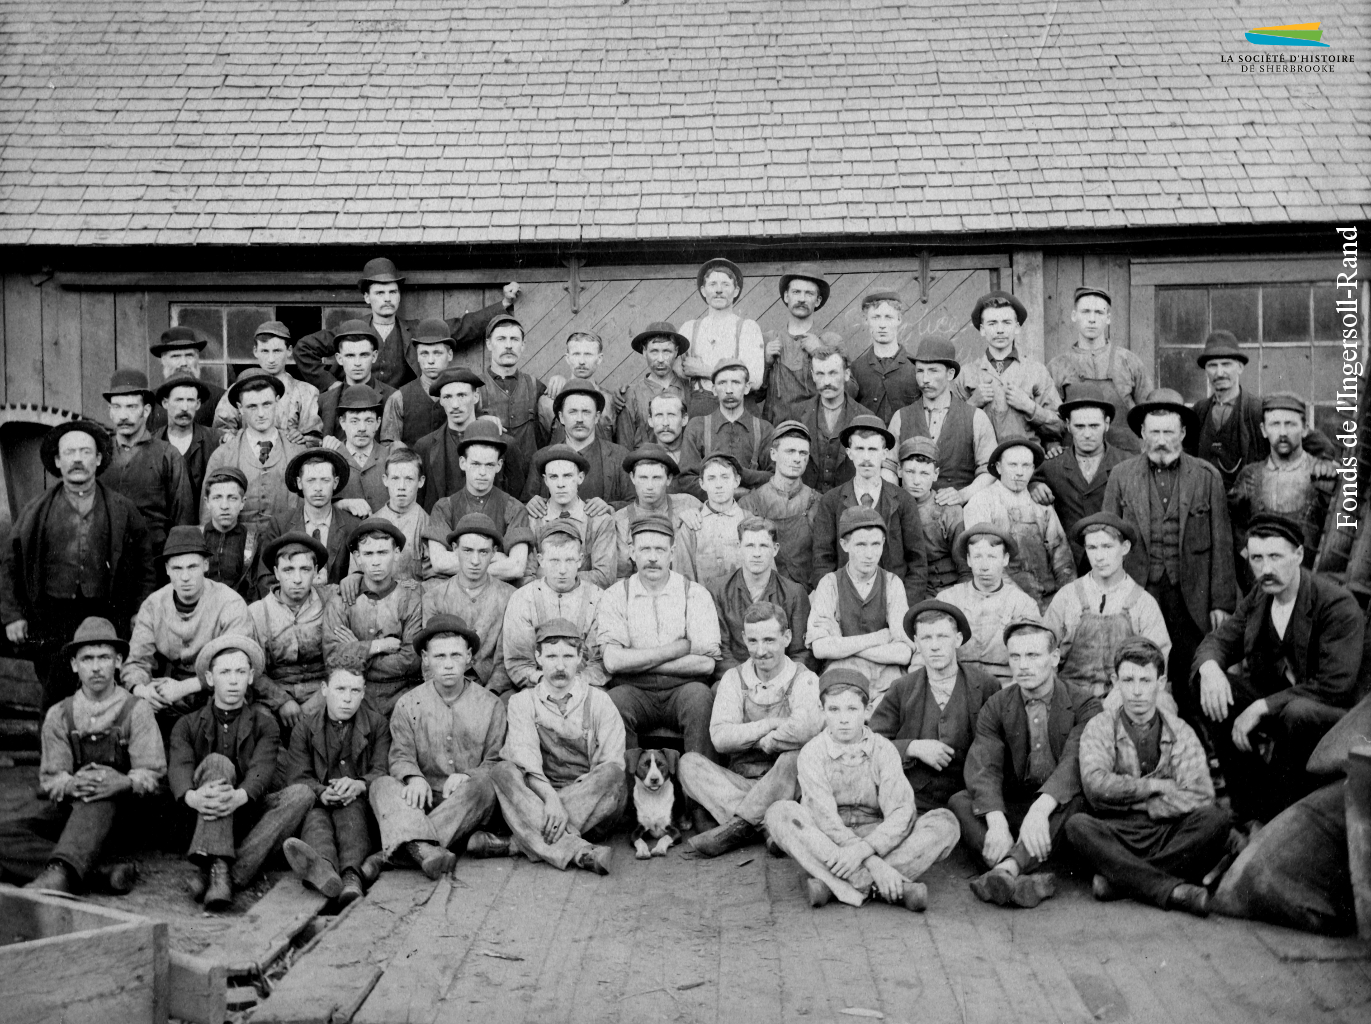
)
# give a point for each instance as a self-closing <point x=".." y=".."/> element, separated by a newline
<point x="352" y="888"/>
<point x="311" y="868"/>
<point x="484" y="844"/>
<point x="433" y="860"/>
<point x="199" y="882"/>
<point x="219" y="894"/>
<point x="1104" y="890"/>
<point x="995" y="886"/>
<point x="371" y="868"/>
<point x="56" y="877"/>
<point x="1030" y="890"/>
<point x="729" y="836"/>
<point x="1193" y="899"/>
<point x="117" y="879"/>
<point x="595" y="858"/>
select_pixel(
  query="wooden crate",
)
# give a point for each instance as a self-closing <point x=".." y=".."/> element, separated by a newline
<point x="70" y="962"/>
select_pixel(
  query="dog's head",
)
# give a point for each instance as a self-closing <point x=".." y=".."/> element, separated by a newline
<point x="652" y="767"/>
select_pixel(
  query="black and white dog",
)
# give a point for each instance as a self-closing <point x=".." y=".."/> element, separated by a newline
<point x="654" y="800"/>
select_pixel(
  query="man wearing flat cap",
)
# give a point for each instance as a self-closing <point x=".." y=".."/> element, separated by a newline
<point x="476" y="597"/>
<point x="825" y="415"/>
<point x="359" y="416"/>
<point x="918" y="461"/>
<point x="1122" y="377"/>
<point x="787" y="501"/>
<point x="178" y="350"/>
<point x="563" y="470"/>
<point x="730" y="428"/>
<point x="790" y="350"/>
<point x="990" y="600"/>
<point x="77" y="550"/>
<point x="413" y="410"/>
<point x="289" y="621"/>
<point x="297" y="413"/>
<point x="356" y="346"/>
<point x="396" y="360"/>
<point x="1300" y="635"/>
<point x="578" y="407"/>
<point x="232" y="545"/>
<point x="101" y="754"/>
<point x="584" y="352"/>
<point x="660" y="344"/>
<point x="884" y="372"/>
<point x="149" y="472"/>
<point x="179" y="397"/>
<point x="652" y="472"/>
<point x="260" y="451"/>
<point x="315" y="475"/>
<point x="511" y="396"/>
<point x="1177" y="506"/>
<point x="1015" y="390"/>
<point x="720" y="334"/>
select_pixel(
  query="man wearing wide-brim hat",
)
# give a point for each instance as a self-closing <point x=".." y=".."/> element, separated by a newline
<point x="729" y="428"/>
<point x="101" y="751"/>
<point x="1092" y="358"/>
<point x="179" y="398"/>
<point x="77" y="550"/>
<point x="380" y="284"/>
<point x="790" y="349"/>
<point x="720" y="333"/>
<point x="297" y="413"/>
<point x="660" y="344"/>
<point x="316" y="475"/>
<point x="1177" y="505"/>
<point x="1014" y="389"/>
<point x="149" y="472"/>
<point x="178" y="349"/>
<point x="989" y="599"/>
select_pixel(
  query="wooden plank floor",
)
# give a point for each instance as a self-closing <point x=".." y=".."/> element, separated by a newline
<point x="731" y="940"/>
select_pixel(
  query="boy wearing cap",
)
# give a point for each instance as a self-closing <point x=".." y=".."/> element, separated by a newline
<point x="355" y="348"/>
<point x="825" y="416"/>
<point x="856" y="832"/>
<point x="179" y="398"/>
<point x="766" y="709"/>
<point x="989" y="599"/>
<point x="1044" y="563"/>
<point x="476" y="597"/>
<point x="178" y="350"/>
<point x="560" y="592"/>
<point x="512" y="395"/>
<point x="561" y="770"/>
<point x="175" y="623"/>
<point x="652" y="471"/>
<point x="964" y="436"/>
<point x="758" y="579"/>
<point x="445" y="740"/>
<point x="930" y="713"/>
<point x="787" y="501"/>
<point x="868" y="441"/>
<point x="1016" y="391"/>
<point x="149" y="472"/>
<point x="315" y="475"/>
<point x="731" y="429"/>
<point x="259" y="451"/>
<point x="941" y="523"/>
<point x="856" y="613"/>
<point x="579" y="408"/>
<point x="883" y="372"/>
<point x="289" y="624"/>
<point x="584" y="351"/>
<point x="101" y="752"/>
<point x="359" y="416"/>
<point x="339" y="749"/>
<point x="297" y="413"/>
<point x="221" y="764"/>
<point x="413" y="411"/>
<point x="1097" y="612"/>
<point x="232" y="546"/>
<point x="716" y="540"/>
<point x="660" y="345"/>
<point x="720" y="334"/>
<point x="563" y="470"/>
<point x="404" y="479"/>
<point x="1023" y="779"/>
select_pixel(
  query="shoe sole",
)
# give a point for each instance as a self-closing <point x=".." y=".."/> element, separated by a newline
<point x="819" y="894"/>
<point x="312" y="869"/>
<point x="994" y="887"/>
<point x="1030" y="890"/>
<point x="436" y="867"/>
<point x="915" y="897"/>
<point x="348" y="896"/>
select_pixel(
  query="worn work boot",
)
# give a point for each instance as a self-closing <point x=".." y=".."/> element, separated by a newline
<point x="995" y="886"/>
<point x="485" y="844"/>
<point x="352" y="888"/>
<point x="371" y="868"/>
<point x="117" y="879"/>
<point x="1193" y="899"/>
<point x="198" y="883"/>
<point x="732" y="834"/>
<point x="1030" y="890"/>
<point x="56" y="877"/>
<point x="219" y="893"/>
<point x="595" y="858"/>
<point x="915" y="897"/>
<point x="311" y="868"/>
<point x="818" y="892"/>
<point x="1104" y="890"/>
<point x="432" y="859"/>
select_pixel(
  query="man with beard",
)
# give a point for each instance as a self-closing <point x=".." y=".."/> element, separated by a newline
<point x="826" y="415"/>
<point x="720" y="334"/>
<point x="1177" y="506"/>
<point x="579" y="407"/>
<point x="660" y="345"/>
<point x="730" y="429"/>
<point x="179" y="350"/>
<point x="180" y="397"/>
<point x="789" y="351"/>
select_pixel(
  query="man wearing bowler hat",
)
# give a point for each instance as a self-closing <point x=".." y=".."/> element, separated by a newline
<point x="578" y="408"/>
<point x="789" y="382"/>
<point x="101" y="754"/>
<point x="720" y="334"/>
<point x="965" y="436"/>
<point x="884" y="372"/>
<point x="660" y="345"/>
<point x="179" y="350"/>
<point x="77" y="550"/>
<point x="563" y="470"/>
<point x="297" y="413"/>
<point x="1121" y="377"/>
<point x="260" y="451"/>
<point x="1177" y="506"/>
<point x="180" y="397"/>
<point x="584" y="352"/>
<point x="316" y="475"/>
<point x="149" y="472"/>
<point x="396" y="360"/>
<point x="412" y="411"/>
<point x="477" y="598"/>
<point x="1016" y="391"/>
<point x="457" y="391"/>
<point x="359" y="414"/>
<point x="356" y="346"/>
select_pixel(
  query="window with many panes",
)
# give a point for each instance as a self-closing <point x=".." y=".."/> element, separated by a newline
<point x="231" y="327"/>
<point x="1289" y="331"/>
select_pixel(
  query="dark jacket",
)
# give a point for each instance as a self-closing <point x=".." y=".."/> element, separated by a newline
<point x="203" y="441"/>
<point x="328" y="404"/>
<point x="1073" y="498"/>
<point x="899" y="717"/>
<point x="606" y="479"/>
<point x="885" y="392"/>
<point x="733" y="599"/>
<point x="1252" y="445"/>
<point x="1206" y="541"/>
<point x="997" y="763"/>
<point x="1325" y="632"/>
<point x="904" y="553"/>
<point x="339" y="533"/>
<point x="133" y="570"/>
<point x="155" y="480"/>
<point x="192" y="739"/>
<point x="369" y="753"/>
<point x="828" y="465"/>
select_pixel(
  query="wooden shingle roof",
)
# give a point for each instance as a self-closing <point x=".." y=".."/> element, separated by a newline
<point x="475" y="122"/>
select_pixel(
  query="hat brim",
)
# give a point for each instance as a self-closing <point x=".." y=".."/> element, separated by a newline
<point x="363" y="282"/>
<point x="70" y="648"/>
<point x="1129" y="531"/>
<point x="236" y="388"/>
<point x="165" y="389"/>
<point x="822" y="285"/>
<point x="490" y="442"/>
<point x="540" y="463"/>
<point x="1015" y="303"/>
<point x="104" y="444"/>
<point x="163" y="347"/>
<point x="364" y="528"/>
<point x="719" y="263"/>
<point x="951" y="364"/>
<point x="149" y="396"/>
<point x="631" y="460"/>
<point x="639" y="342"/>
<point x="964" y="539"/>
<point x="958" y="616"/>
<point x="494" y="535"/>
<point x="1138" y="413"/>
<point x="272" y="550"/>
<point x="564" y="394"/>
<point x="846" y="433"/>
<point x="229" y="642"/>
<point x="1039" y="456"/>
<point x="1067" y="408"/>
<point x="1221" y="353"/>
<point x="425" y="635"/>
<point x="340" y="467"/>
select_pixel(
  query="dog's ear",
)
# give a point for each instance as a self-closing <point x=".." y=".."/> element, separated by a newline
<point x="672" y="757"/>
<point x="631" y="756"/>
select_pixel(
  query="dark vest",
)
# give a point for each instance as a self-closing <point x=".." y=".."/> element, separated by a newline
<point x="1164" y="551"/>
<point x="1223" y="447"/>
<point x="856" y="616"/>
<point x="68" y="571"/>
<point x="956" y="442"/>
<point x="422" y="415"/>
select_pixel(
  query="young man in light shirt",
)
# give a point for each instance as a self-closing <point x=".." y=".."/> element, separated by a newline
<point x="717" y="547"/>
<point x="720" y="334"/>
<point x="1015" y="390"/>
<point x="989" y="599"/>
<point x="297" y="414"/>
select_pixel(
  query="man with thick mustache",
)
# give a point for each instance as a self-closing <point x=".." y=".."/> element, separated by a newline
<point x="1178" y="507"/>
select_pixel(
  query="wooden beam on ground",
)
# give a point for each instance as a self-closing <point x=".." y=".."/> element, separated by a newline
<point x="19" y="685"/>
<point x="266" y="931"/>
<point x="197" y="989"/>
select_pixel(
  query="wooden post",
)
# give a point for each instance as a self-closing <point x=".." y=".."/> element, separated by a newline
<point x="1028" y="287"/>
<point x="1357" y="794"/>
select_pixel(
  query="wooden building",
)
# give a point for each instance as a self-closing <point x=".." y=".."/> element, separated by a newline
<point x="172" y="162"/>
